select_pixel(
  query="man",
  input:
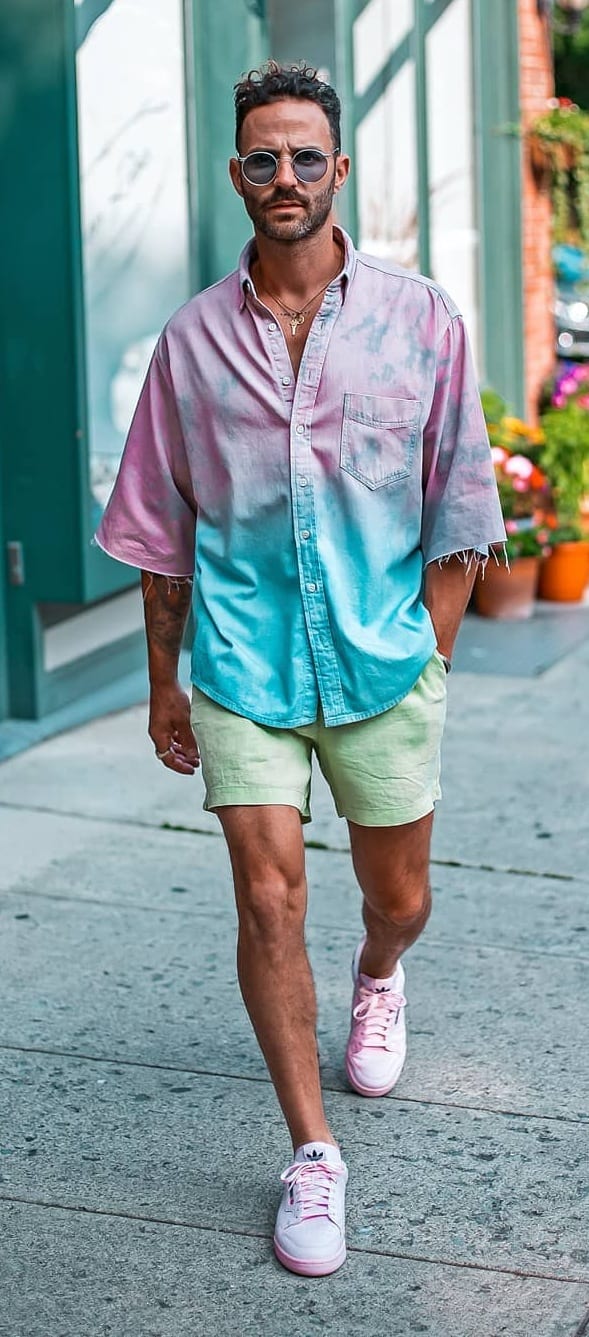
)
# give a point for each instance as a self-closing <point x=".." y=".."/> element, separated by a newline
<point x="317" y="416"/>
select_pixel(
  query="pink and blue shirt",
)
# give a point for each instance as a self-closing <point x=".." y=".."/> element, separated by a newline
<point x="307" y="507"/>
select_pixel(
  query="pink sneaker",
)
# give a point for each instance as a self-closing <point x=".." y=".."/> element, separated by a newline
<point x="377" y="1045"/>
<point x="310" y="1227"/>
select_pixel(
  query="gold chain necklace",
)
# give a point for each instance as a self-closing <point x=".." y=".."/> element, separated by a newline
<point x="297" y="318"/>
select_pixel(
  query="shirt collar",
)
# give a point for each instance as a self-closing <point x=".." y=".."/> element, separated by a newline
<point x="345" y="275"/>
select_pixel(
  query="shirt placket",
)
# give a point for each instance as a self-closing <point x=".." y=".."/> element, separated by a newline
<point x="303" y="506"/>
<point x="306" y="663"/>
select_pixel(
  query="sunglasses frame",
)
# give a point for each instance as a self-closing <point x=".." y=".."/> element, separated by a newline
<point x="291" y="158"/>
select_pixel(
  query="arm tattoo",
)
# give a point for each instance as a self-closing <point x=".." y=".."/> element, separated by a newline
<point x="166" y="601"/>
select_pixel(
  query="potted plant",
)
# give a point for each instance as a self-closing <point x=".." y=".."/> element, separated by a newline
<point x="565" y="572"/>
<point x="509" y="433"/>
<point x="564" y="455"/>
<point x="558" y="142"/>
<point x="508" y="590"/>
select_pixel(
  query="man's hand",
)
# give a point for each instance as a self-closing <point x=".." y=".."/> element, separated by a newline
<point x="166" y="602"/>
<point x="170" y="731"/>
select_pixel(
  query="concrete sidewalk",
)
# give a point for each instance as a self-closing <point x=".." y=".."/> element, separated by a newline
<point x="140" y="1138"/>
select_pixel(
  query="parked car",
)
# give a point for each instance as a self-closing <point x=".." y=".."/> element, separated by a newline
<point x="571" y="314"/>
<point x="571" y="307"/>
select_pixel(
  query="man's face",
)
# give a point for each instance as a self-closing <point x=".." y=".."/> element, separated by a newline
<point x="287" y="209"/>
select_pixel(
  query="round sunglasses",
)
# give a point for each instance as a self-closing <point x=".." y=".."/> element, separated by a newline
<point x="260" y="167"/>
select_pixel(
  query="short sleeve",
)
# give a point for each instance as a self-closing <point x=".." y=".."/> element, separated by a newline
<point x="150" y="518"/>
<point x="461" y="509"/>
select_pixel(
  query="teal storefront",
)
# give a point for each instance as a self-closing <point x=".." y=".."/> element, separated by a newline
<point x="116" y="124"/>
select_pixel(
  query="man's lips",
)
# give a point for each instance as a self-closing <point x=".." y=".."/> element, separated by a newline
<point x="287" y="204"/>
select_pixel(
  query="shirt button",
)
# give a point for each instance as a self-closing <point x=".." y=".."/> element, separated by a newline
<point x="305" y="533"/>
<point x="272" y="327"/>
<point x="303" y="481"/>
<point x="311" y="587"/>
<point x="300" y="429"/>
<point x="286" y="380"/>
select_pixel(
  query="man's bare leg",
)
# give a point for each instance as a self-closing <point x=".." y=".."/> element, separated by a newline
<point x="268" y="860"/>
<point x="392" y="867"/>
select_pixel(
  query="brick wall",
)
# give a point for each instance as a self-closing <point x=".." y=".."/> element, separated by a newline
<point x="536" y="86"/>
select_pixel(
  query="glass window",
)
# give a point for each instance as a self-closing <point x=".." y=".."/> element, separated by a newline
<point x="386" y="168"/>
<point x="134" y="199"/>
<point x="378" y="31"/>
<point x="454" y="236"/>
<point x="386" y="151"/>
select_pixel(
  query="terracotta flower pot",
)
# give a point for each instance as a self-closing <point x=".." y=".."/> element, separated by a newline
<point x="507" y="594"/>
<point x="550" y="155"/>
<point x="540" y="160"/>
<point x="564" y="574"/>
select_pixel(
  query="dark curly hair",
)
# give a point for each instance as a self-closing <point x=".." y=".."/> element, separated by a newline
<point x="273" y="82"/>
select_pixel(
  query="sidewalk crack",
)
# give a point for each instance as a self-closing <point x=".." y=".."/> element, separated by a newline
<point x="251" y="1233"/>
<point x="265" y="1080"/>
<point x="310" y="844"/>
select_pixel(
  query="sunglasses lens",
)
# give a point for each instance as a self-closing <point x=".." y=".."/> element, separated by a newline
<point x="309" y="165"/>
<point x="259" y="168"/>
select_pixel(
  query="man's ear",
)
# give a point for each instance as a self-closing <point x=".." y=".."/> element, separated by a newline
<point x="342" y="171"/>
<point x="235" y="174"/>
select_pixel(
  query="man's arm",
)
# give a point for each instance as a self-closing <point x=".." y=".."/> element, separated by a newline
<point x="448" y="587"/>
<point x="166" y="603"/>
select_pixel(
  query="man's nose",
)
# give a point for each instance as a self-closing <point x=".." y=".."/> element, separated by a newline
<point x="285" y="175"/>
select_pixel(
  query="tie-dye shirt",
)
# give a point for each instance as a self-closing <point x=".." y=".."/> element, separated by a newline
<point x="306" y="507"/>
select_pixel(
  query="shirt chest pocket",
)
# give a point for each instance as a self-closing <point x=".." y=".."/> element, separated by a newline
<point x="379" y="437"/>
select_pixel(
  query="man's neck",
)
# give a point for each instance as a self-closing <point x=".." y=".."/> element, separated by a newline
<point x="295" y="269"/>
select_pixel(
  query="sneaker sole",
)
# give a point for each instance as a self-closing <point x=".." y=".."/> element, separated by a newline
<point x="371" y="1090"/>
<point x="308" y="1267"/>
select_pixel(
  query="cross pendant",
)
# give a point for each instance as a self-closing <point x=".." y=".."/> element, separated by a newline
<point x="295" y="321"/>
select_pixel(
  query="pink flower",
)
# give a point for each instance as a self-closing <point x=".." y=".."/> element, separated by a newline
<point x="511" y="527"/>
<point x="520" y="485"/>
<point x="583" y="402"/>
<point x="558" y="401"/>
<point x="543" y="536"/>
<point x="499" y="455"/>
<point x="520" y="466"/>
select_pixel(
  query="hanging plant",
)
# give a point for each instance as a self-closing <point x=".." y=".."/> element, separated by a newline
<point x="559" y="151"/>
<point x="581" y="176"/>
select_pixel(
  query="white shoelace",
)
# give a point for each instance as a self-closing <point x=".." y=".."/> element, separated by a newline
<point x="311" y="1183"/>
<point x="375" y="1014"/>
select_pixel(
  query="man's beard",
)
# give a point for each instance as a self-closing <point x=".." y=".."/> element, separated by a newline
<point x="317" y="209"/>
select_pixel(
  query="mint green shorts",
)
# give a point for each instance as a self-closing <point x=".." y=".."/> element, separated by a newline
<point x="383" y="771"/>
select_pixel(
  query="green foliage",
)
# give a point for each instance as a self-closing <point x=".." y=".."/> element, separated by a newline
<point x="566" y="126"/>
<point x="533" y="542"/>
<point x="571" y="63"/>
<point x="567" y="533"/>
<point x="561" y="136"/>
<point x="494" y="407"/>
<point x="565" y="457"/>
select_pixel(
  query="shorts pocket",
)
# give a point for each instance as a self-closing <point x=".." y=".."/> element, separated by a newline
<point x="379" y="436"/>
<point x="437" y="666"/>
<point x="440" y="661"/>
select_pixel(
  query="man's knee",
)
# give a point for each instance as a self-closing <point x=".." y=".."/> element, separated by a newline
<point x="271" y="905"/>
<point x="406" y="905"/>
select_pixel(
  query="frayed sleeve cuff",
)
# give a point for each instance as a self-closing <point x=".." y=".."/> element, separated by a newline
<point x="469" y="557"/>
